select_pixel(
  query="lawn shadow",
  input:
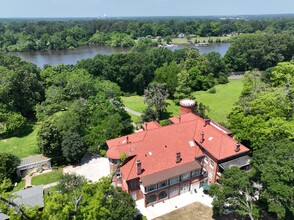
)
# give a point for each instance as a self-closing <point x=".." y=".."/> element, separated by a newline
<point x="21" y="132"/>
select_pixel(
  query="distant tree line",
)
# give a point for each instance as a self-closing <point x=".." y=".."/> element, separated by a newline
<point x="32" y="35"/>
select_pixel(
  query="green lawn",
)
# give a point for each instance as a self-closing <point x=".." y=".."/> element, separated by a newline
<point x="136" y="103"/>
<point x="199" y="39"/>
<point x="46" y="178"/>
<point x="221" y="102"/>
<point x="21" y="146"/>
<point x="19" y="186"/>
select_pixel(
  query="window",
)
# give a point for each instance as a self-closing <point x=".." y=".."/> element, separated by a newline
<point x="162" y="184"/>
<point x="174" y="180"/>
<point x="185" y="176"/>
<point x="118" y="175"/>
<point x="133" y="184"/>
<point x="211" y="164"/>
<point x="151" y="187"/>
<point x="210" y="175"/>
<point x="205" y="159"/>
<point x="151" y="199"/>
<point x="162" y="195"/>
<point x="195" y="173"/>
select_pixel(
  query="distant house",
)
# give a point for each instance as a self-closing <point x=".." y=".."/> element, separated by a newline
<point x="163" y="162"/>
<point x="181" y="35"/>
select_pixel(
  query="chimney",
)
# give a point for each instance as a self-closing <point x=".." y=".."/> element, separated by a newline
<point x="202" y="137"/>
<point x="127" y="139"/>
<point x="187" y="106"/>
<point x="178" y="157"/>
<point x="139" y="167"/>
<point x="179" y="117"/>
<point x="237" y="147"/>
<point x="206" y="121"/>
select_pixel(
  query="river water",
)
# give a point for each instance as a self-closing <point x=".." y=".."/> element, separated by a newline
<point x="40" y="58"/>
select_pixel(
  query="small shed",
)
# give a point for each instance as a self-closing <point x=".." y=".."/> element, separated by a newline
<point x="29" y="163"/>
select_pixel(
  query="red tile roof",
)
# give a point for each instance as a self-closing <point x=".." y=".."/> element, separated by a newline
<point x="157" y="148"/>
<point x="150" y="125"/>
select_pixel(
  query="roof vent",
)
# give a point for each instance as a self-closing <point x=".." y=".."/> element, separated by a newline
<point x="237" y="147"/>
<point x="178" y="157"/>
<point x="179" y="117"/>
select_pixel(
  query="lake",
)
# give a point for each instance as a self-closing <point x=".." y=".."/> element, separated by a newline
<point x="40" y="58"/>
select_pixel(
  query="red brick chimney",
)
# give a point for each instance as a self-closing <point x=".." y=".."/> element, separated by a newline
<point x="202" y="137"/>
<point x="139" y="167"/>
<point x="237" y="147"/>
<point x="187" y="106"/>
<point x="178" y="157"/>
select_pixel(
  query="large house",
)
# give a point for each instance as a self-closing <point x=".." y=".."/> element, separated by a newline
<point x="163" y="162"/>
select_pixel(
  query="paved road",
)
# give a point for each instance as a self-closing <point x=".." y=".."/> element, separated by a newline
<point x="133" y="112"/>
<point x="236" y="77"/>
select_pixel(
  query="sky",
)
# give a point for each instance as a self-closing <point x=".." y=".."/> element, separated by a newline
<point x="127" y="8"/>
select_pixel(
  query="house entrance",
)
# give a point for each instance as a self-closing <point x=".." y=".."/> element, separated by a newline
<point x="184" y="188"/>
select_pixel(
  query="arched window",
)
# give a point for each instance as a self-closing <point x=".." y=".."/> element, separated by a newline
<point x="151" y="199"/>
<point x="162" y="195"/>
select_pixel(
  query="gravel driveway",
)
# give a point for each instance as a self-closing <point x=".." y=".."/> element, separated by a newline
<point x="91" y="167"/>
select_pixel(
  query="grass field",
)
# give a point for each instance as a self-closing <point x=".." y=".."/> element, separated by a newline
<point x="21" y="146"/>
<point x="19" y="186"/>
<point x="193" y="211"/>
<point x="137" y="104"/>
<point x="46" y="178"/>
<point x="221" y="102"/>
<point x="199" y="39"/>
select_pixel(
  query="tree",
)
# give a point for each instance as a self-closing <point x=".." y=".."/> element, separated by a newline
<point x="8" y="165"/>
<point x="50" y="139"/>
<point x="183" y="89"/>
<point x="237" y="192"/>
<point x="149" y="114"/>
<point x="21" y="88"/>
<point x="57" y="206"/>
<point x="155" y="96"/>
<point x="274" y="164"/>
<point x="168" y="39"/>
<point x="82" y="200"/>
<point x="70" y="182"/>
<point x="168" y="74"/>
<point x="73" y="147"/>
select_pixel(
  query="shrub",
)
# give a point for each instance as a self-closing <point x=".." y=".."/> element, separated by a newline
<point x="212" y="90"/>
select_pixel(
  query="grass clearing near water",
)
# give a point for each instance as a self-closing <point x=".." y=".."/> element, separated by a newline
<point x="23" y="146"/>
<point x="46" y="178"/>
<point x="221" y="103"/>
